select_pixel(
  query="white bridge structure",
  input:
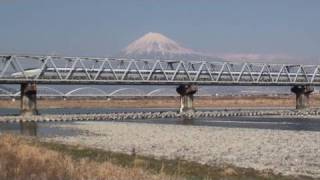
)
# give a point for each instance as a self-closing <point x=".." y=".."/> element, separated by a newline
<point x="87" y="91"/>
<point x="88" y="70"/>
<point x="29" y="70"/>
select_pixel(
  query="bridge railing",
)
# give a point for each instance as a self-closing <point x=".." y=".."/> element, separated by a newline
<point x="87" y="70"/>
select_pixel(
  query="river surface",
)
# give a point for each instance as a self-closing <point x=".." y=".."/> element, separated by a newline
<point x="50" y="129"/>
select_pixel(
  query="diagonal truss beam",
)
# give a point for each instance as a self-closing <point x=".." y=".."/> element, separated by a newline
<point x="54" y="69"/>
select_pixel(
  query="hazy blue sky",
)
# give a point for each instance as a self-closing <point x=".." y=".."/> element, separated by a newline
<point x="101" y="28"/>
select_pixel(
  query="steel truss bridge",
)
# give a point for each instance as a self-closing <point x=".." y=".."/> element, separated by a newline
<point x="87" y="91"/>
<point x="17" y="69"/>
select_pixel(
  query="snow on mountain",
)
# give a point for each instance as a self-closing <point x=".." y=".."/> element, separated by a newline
<point x="156" y="42"/>
<point x="157" y="46"/>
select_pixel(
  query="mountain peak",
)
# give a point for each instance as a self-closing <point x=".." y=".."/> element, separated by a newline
<point x="155" y="45"/>
<point x="155" y="37"/>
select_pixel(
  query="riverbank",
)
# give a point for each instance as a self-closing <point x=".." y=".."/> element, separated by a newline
<point x="26" y="158"/>
<point x="294" y="153"/>
<point x="165" y="102"/>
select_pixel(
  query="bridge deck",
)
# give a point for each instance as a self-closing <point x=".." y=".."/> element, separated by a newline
<point x="16" y="69"/>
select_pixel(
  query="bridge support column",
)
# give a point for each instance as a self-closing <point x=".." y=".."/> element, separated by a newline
<point x="186" y="97"/>
<point x="302" y="96"/>
<point x="28" y="105"/>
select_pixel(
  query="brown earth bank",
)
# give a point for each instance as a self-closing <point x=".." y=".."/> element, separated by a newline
<point x="284" y="101"/>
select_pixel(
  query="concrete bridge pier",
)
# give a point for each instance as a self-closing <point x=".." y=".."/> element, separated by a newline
<point x="186" y="97"/>
<point x="302" y="96"/>
<point x="28" y="104"/>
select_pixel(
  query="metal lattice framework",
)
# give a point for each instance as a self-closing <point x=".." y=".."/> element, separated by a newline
<point x="86" y="70"/>
<point x="45" y="91"/>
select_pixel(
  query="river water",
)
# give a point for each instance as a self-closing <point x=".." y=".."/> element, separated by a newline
<point x="49" y="129"/>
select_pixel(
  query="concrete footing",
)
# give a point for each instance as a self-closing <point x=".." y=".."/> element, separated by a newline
<point x="28" y="99"/>
<point x="186" y="97"/>
<point x="302" y="96"/>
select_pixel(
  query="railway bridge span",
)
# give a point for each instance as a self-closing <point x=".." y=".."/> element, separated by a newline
<point x="29" y="71"/>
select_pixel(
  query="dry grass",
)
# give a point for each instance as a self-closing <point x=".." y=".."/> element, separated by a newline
<point x="22" y="160"/>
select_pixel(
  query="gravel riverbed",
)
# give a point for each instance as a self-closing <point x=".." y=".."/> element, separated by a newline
<point x="283" y="151"/>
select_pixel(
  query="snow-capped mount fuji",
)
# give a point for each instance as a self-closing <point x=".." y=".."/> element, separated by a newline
<point x="157" y="46"/>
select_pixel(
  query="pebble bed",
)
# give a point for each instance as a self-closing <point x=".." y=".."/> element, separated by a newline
<point x="158" y="115"/>
<point x="282" y="151"/>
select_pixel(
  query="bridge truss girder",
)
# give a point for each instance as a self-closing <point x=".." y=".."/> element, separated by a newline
<point x="16" y="69"/>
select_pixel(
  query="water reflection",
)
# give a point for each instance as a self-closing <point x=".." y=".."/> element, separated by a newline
<point x="54" y="128"/>
<point x="274" y="123"/>
<point x="186" y="121"/>
<point x="28" y="128"/>
<point x="23" y="128"/>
